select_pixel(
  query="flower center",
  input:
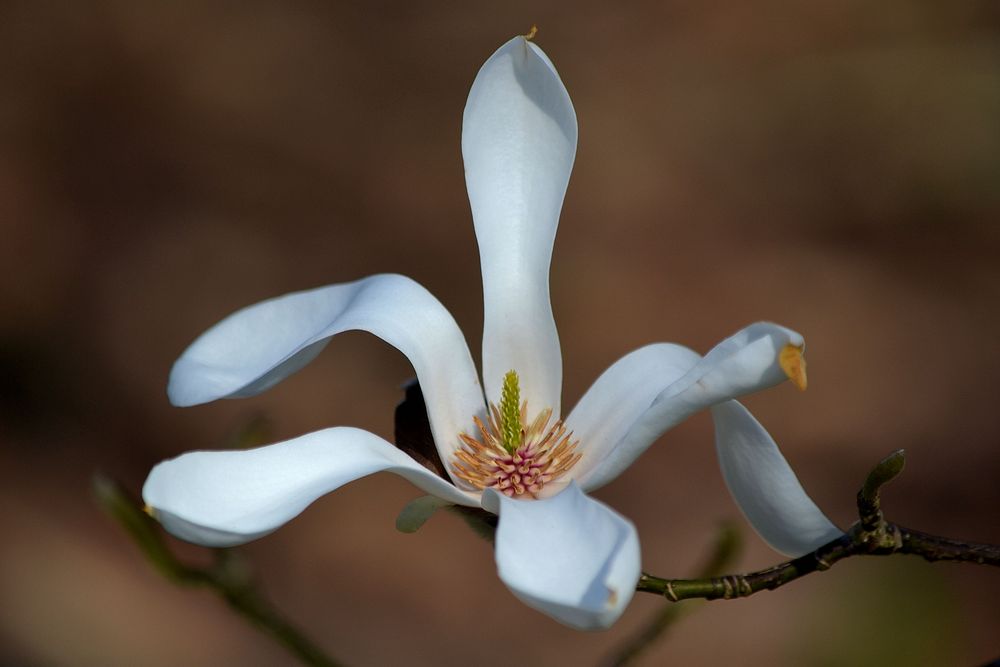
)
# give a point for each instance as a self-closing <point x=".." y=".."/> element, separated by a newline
<point x="511" y="455"/>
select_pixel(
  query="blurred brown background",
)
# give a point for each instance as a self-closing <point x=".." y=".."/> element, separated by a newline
<point x="830" y="166"/>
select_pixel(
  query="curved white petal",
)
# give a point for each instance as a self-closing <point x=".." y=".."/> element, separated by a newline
<point x="621" y="395"/>
<point x="568" y="556"/>
<point x="258" y="346"/>
<point x="518" y="141"/>
<point x="222" y="498"/>
<point x="743" y="363"/>
<point x="764" y="486"/>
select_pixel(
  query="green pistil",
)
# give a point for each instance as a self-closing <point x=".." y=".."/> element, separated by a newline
<point x="510" y="412"/>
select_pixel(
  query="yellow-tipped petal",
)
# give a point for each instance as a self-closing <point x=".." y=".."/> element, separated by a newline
<point x="149" y="510"/>
<point x="531" y="33"/>
<point x="794" y="364"/>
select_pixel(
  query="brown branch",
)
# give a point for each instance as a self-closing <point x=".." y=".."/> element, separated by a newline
<point x="871" y="535"/>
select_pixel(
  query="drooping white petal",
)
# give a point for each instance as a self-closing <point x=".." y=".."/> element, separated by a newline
<point x="621" y="395"/>
<point x="222" y="498"/>
<point x="568" y="556"/>
<point x="764" y="486"/>
<point x="518" y="141"/>
<point x="743" y="363"/>
<point x="258" y="346"/>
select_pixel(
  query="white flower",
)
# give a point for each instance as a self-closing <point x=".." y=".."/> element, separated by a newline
<point x="557" y="549"/>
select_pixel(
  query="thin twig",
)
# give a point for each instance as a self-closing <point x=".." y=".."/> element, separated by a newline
<point x="227" y="576"/>
<point x="871" y="535"/>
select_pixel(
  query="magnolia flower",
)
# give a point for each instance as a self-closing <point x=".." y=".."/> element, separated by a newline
<point x="509" y="449"/>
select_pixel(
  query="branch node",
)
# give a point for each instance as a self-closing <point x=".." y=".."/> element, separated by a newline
<point x="727" y="588"/>
<point x="897" y="537"/>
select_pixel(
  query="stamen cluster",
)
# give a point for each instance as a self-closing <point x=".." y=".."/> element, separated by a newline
<point x="542" y="454"/>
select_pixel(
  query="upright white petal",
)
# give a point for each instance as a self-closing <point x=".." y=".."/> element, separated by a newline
<point x="622" y="394"/>
<point x="568" y="556"/>
<point x="223" y="498"/>
<point x="258" y="346"/>
<point x="743" y="363"/>
<point x="518" y="142"/>
<point x="764" y="486"/>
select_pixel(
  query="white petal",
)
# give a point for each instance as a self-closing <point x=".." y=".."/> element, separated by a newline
<point x="518" y="142"/>
<point x="222" y="498"/>
<point x="621" y="395"/>
<point x="764" y="486"/>
<point x="743" y="363"/>
<point x="257" y="347"/>
<point x="568" y="556"/>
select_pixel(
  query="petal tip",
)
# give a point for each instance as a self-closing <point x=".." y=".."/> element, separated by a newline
<point x="794" y="365"/>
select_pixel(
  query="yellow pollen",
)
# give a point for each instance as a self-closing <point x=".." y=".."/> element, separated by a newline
<point x="544" y="453"/>
<point x="794" y="364"/>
